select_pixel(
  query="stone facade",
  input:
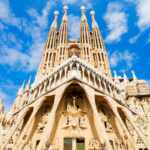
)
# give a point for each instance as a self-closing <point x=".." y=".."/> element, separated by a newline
<point x="75" y="103"/>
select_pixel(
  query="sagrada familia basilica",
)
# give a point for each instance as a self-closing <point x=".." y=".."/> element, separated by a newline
<point x="74" y="102"/>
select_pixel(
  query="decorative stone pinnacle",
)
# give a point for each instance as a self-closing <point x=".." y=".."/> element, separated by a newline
<point x="94" y="23"/>
<point x="115" y="74"/>
<point x="83" y="9"/>
<point x="133" y="75"/>
<point x="92" y="13"/>
<point x="65" y="9"/>
<point x="56" y="13"/>
<point x="125" y="76"/>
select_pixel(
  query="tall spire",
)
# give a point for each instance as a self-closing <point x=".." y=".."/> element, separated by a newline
<point x="51" y="42"/>
<point x="63" y="32"/>
<point x="100" y="55"/>
<point x="54" y="24"/>
<point x="85" y="37"/>
<point x="84" y="27"/>
<point x="65" y="13"/>
<point x="48" y="56"/>
<point x="63" y="38"/>
<point x="94" y="23"/>
<point x="83" y="10"/>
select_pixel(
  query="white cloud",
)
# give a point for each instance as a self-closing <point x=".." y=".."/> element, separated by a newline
<point x="35" y="29"/>
<point x="116" y="21"/>
<point x="14" y="58"/>
<point x="125" y="56"/>
<point x="87" y="3"/>
<point x="148" y="40"/>
<point x="6" y="15"/>
<point x="133" y="39"/>
<point x="74" y="27"/>
<point x="7" y="87"/>
<point x="143" y="12"/>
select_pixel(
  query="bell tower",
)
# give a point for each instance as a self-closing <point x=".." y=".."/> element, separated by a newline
<point x="49" y="53"/>
<point x="100" y="55"/>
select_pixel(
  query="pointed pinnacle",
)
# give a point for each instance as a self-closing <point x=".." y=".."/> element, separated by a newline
<point x="115" y="74"/>
<point x="133" y="75"/>
<point x="28" y="84"/>
<point x="125" y="76"/>
<point x="54" y="24"/>
<point x="83" y="9"/>
<point x="94" y="23"/>
<point x="65" y="12"/>
<point x="21" y="89"/>
<point x="65" y="9"/>
<point x="83" y="17"/>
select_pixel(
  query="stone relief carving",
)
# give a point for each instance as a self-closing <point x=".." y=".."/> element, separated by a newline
<point x="73" y="108"/>
<point x="74" y="116"/>
<point x="53" y="147"/>
<point x="75" y="122"/>
<point x="94" y="144"/>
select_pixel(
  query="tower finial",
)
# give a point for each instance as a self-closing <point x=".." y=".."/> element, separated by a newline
<point x="83" y="17"/>
<point x="65" y="9"/>
<point x="83" y="10"/>
<point x="54" y="24"/>
<point x="56" y="13"/>
<point x="65" y="12"/>
<point x="94" y="23"/>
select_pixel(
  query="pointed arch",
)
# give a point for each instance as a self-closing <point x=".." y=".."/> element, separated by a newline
<point x="82" y="103"/>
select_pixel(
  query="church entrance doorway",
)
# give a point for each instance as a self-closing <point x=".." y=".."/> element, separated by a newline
<point x="74" y="144"/>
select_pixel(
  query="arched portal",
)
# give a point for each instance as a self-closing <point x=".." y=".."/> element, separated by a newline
<point x="74" y="122"/>
<point x="40" y="122"/>
<point x="17" y="133"/>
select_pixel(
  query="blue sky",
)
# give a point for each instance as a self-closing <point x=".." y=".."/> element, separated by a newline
<point x="24" y="25"/>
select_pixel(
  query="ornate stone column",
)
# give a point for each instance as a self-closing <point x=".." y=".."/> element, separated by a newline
<point x="51" y="122"/>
